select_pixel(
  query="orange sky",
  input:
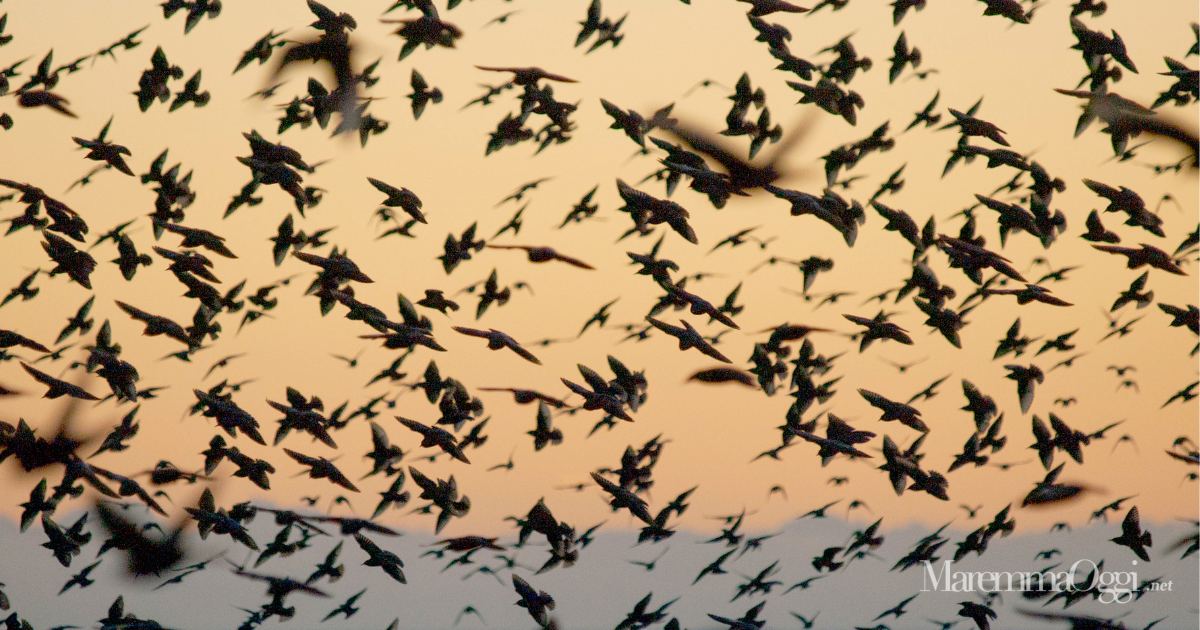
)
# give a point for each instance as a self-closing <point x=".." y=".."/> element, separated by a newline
<point x="713" y="432"/>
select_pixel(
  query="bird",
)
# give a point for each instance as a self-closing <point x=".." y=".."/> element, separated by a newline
<point x="528" y="75"/>
<point x="387" y="561"/>
<point x="402" y="198"/>
<point x="892" y="410"/>
<point x="544" y="433"/>
<point x="1146" y="255"/>
<point x="497" y="340"/>
<point x="1133" y="536"/>
<point x="879" y="327"/>
<point x="1010" y="9"/>
<point x="689" y="338"/>
<point x="319" y="468"/>
<point x="422" y="95"/>
<point x="56" y="388"/>
<point x="539" y="254"/>
<point x="346" y="608"/>
<point x="981" y="614"/>
<point x="1027" y="378"/>
<point x="81" y="579"/>
<point x="526" y="396"/>
<point x="436" y="436"/>
<point x="760" y="8"/>
<point x="157" y="325"/>
<point x="724" y="375"/>
<point x="100" y="150"/>
<point x="536" y="603"/>
<point x="10" y="338"/>
<point x="46" y="98"/>
<point x="622" y="497"/>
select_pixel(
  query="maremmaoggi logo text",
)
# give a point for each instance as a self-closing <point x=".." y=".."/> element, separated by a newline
<point x="1082" y="576"/>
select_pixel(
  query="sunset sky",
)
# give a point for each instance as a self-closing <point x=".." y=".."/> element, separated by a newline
<point x="713" y="432"/>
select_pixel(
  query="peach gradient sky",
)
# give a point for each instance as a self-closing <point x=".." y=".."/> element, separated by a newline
<point x="713" y="431"/>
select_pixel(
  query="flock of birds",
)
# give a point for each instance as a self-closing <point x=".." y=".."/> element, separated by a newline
<point x="795" y="360"/>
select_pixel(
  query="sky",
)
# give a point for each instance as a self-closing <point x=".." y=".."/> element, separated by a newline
<point x="713" y="432"/>
<point x="604" y="585"/>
